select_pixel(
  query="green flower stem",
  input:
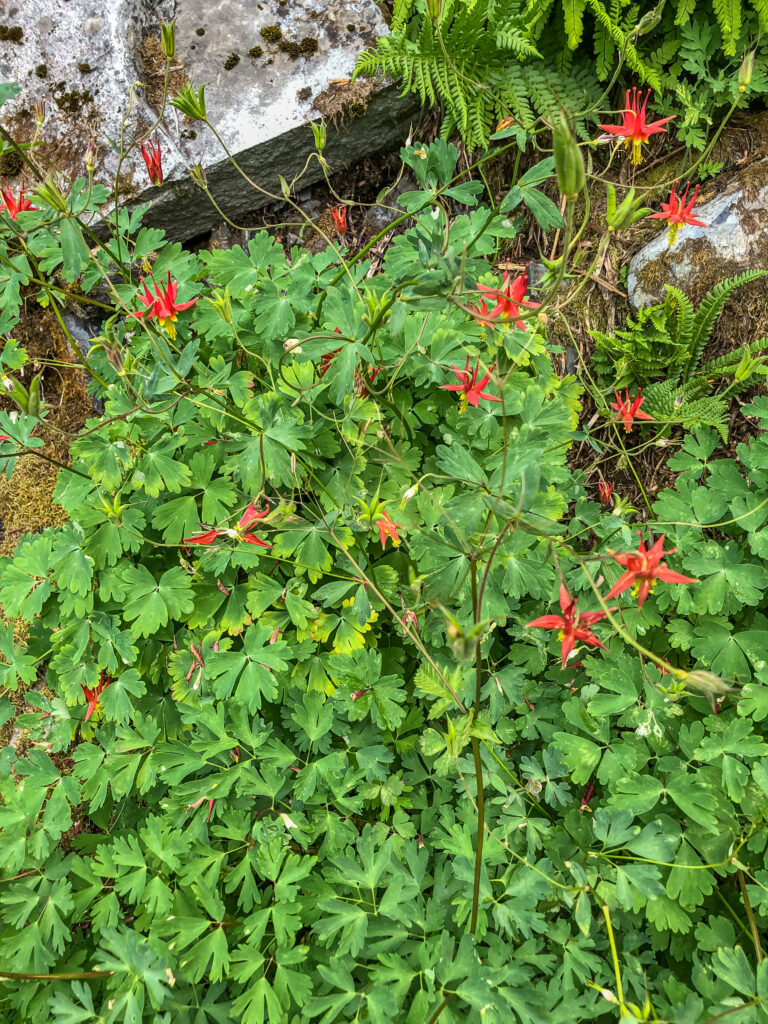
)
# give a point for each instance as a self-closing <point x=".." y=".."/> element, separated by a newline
<point x="478" y="760"/>
<point x="614" y="957"/>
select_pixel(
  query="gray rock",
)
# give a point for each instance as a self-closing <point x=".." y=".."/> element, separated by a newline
<point x="85" y="57"/>
<point x="735" y="239"/>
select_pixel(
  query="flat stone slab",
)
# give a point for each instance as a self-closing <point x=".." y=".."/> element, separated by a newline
<point x="735" y="239"/>
<point x="269" y="67"/>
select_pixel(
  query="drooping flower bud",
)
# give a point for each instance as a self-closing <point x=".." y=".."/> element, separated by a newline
<point x="91" y="155"/>
<point x="745" y="71"/>
<point x="569" y="163"/>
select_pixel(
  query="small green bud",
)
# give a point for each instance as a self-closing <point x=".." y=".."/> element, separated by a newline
<point x="91" y="155"/>
<point x="434" y="10"/>
<point x="569" y="162"/>
<point x="745" y="71"/>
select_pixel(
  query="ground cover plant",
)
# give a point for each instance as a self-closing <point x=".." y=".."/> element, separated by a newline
<point x="345" y="695"/>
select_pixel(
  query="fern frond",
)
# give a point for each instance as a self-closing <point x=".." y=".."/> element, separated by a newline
<point x="727" y="362"/>
<point x="684" y="314"/>
<point x="728" y="13"/>
<point x="709" y="311"/>
<point x="573" y="12"/>
<point x="761" y="9"/>
<point x="680" y="405"/>
<point x="621" y="39"/>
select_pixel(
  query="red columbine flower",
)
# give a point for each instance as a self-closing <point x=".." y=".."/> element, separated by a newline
<point x="92" y="696"/>
<point x="628" y="409"/>
<point x="586" y="796"/>
<point x="250" y="515"/>
<point x="240" y="532"/>
<point x="573" y="625"/>
<point x="339" y="214"/>
<point x="163" y="304"/>
<point x="197" y="803"/>
<point x="509" y="298"/>
<point x="643" y="568"/>
<point x="326" y="360"/>
<point x="470" y="387"/>
<point x="604" y="489"/>
<point x="634" y="128"/>
<point x="677" y="212"/>
<point x="153" y="158"/>
<point x="388" y="529"/>
<point x="13" y="207"/>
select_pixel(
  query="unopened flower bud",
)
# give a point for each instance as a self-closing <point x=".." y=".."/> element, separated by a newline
<point x="91" y="155"/>
<point x="39" y="111"/>
<point x="410" y="621"/>
<point x="707" y="683"/>
<point x="434" y="9"/>
<point x="505" y="122"/>
<point x="745" y="71"/>
<point x="410" y="493"/>
<point x="569" y="163"/>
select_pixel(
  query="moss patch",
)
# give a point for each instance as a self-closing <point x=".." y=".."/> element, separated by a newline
<point x="153" y="61"/>
<point x="255" y="51"/>
<point x="344" y="100"/>
<point x="308" y="46"/>
<point x="71" y="101"/>
<point x="293" y="50"/>
<point x="25" y="499"/>
<point x="84" y="67"/>
<point x="11" y="164"/>
<point x="41" y="70"/>
<point x="11" y="34"/>
<point x="271" y="33"/>
<point x="232" y="61"/>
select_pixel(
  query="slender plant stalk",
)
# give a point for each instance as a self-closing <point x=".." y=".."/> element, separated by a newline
<point x="478" y="763"/>
<point x="750" y="917"/>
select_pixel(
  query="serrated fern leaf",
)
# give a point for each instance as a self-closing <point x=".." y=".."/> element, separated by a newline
<point x="709" y="311"/>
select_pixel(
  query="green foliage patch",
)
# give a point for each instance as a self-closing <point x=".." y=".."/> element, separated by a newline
<point x="298" y="746"/>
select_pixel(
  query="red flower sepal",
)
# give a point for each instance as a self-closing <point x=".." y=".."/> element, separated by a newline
<point x="634" y="128"/>
<point x="573" y="625"/>
<point x="643" y="568"/>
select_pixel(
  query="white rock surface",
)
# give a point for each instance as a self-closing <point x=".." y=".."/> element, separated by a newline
<point x="84" y="55"/>
<point x="735" y="239"/>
